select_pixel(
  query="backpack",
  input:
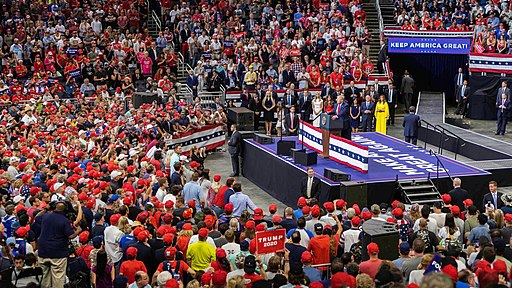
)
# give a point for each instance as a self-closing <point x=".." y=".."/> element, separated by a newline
<point x="176" y="273"/>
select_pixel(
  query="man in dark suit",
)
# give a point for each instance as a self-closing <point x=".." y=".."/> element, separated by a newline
<point x="459" y="78"/>
<point x="288" y="76"/>
<point x="305" y="108"/>
<point x="289" y="100"/>
<point x="255" y="106"/>
<point x="407" y="89"/>
<point x="382" y="57"/>
<point x="234" y="149"/>
<point x="379" y="88"/>
<point x="367" y="108"/>
<point x="351" y="91"/>
<point x="411" y="123"/>
<point x="458" y="194"/>
<point x="503" y="90"/>
<point x="462" y="96"/>
<point x="291" y="122"/>
<point x="341" y="112"/>
<point x="503" y="107"/>
<point x="391" y="96"/>
<point x="327" y="90"/>
<point x="493" y="197"/>
<point x="310" y="186"/>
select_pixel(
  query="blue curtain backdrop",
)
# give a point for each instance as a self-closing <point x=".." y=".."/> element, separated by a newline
<point x="432" y="72"/>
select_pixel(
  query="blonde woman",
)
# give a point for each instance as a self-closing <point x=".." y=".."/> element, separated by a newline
<point x="268" y="104"/>
<point x="417" y="275"/>
<point x="381" y="115"/>
<point x="317" y="105"/>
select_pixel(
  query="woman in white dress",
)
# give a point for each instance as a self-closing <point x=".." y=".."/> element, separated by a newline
<point x="318" y="105"/>
<point x="280" y="117"/>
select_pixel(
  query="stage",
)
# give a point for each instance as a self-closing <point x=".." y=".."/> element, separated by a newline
<point x="389" y="159"/>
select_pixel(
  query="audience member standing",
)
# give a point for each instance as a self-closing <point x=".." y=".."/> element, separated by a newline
<point x="407" y="89"/>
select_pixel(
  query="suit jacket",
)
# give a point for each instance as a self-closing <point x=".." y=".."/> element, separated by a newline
<point x="288" y="77"/>
<point x="379" y="89"/>
<point x="315" y="187"/>
<point x="324" y="92"/>
<point x="501" y="91"/>
<point x="343" y="113"/>
<point x="365" y="107"/>
<point x="288" y="121"/>
<point x="467" y="92"/>
<point x="305" y="108"/>
<point x="456" y="78"/>
<point x="488" y="198"/>
<point x="374" y="94"/>
<point x="395" y="95"/>
<point x="293" y="99"/>
<point x="383" y="53"/>
<point x="458" y="196"/>
<point x="407" y="85"/>
<point x="411" y="123"/>
<point x="235" y="143"/>
<point x="254" y="106"/>
<point x="348" y="92"/>
<point x="504" y="111"/>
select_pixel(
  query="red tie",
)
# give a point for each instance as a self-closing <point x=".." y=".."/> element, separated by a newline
<point x="338" y="109"/>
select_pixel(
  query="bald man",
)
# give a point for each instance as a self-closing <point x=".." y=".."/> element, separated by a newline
<point x="458" y="194"/>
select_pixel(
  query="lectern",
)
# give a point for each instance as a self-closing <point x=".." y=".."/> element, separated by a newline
<point x="329" y="126"/>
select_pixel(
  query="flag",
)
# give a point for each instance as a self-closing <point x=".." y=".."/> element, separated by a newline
<point x="209" y="136"/>
<point x="490" y="63"/>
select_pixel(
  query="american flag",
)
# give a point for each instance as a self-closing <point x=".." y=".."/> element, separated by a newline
<point x="490" y="63"/>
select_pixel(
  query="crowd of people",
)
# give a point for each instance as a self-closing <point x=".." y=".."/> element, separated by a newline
<point x="95" y="194"/>
<point x="491" y="21"/>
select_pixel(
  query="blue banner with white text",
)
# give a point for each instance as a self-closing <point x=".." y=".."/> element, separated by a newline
<point x="429" y="45"/>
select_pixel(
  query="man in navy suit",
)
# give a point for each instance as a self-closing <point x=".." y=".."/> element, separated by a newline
<point x="327" y="90"/>
<point x="493" y="197"/>
<point x="367" y="107"/>
<point x="503" y="106"/>
<point x="341" y="111"/>
<point x="411" y="123"/>
<point x="503" y="90"/>
<point x="289" y="101"/>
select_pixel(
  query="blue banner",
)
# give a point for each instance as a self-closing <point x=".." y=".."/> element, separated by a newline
<point x="72" y="51"/>
<point x="429" y="45"/>
<point x="75" y="73"/>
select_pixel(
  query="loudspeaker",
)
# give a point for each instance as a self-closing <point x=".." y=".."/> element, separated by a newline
<point x="385" y="235"/>
<point x="243" y="117"/>
<point x="263" y="139"/>
<point x="141" y="98"/>
<point x="284" y="147"/>
<point x="353" y="192"/>
<point x="305" y="158"/>
<point x="336" y="175"/>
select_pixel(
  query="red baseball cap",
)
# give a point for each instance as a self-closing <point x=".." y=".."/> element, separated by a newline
<point x="341" y="278"/>
<point x="356" y="221"/>
<point x="306" y="210"/>
<point x="258" y="214"/>
<point x="172" y="283"/>
<point x="83" y="237"/>
<point x="306" y="257"/>
<point x="219" y="277"/>
<point x="187" y="213"/>
<point x="329" y="206"/>
<point x="114" y="219"/>
<point x="220" y="253"/>
<point x="170" y="252"/>
<point x="203" y="232"/>
<point x="187" y="226"/>
<point x="340" y="203"/>
<point x="167" y="239"/>
<point x="169" y="204"/>
<point x="276" y="219"/>
<point x="398" y="213"/>
<point x="373" y="248"/>
<point x="131" y="251"/>
<point x="456" y="211"/>
<point x="366" y="215"/>
<point x="260" y="227"/>
<point x="394" y="204"/>
<point x="272" y="208"/>
<point x="301" y="202"/>
<point x="315" y="211"/>
<point x="250" y="224"/>
<point x="228" y="208"/>
<point x="447" y="199"/>
<point x="22" y="231"/>
<point x="468" y="202"/>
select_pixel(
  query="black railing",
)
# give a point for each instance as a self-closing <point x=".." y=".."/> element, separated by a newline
<point x="439" y="162"/>
<point x="458" y="140"/>
<point x="426" y="134"/>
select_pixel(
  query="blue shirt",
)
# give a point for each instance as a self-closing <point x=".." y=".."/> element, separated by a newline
<point x="290" y="232"/>
<point x="241" y="203"/>
<point x="477" y="232"/>
<point x="228" y="194"/>
<point x="8" y="222"/>
<point x="312" y="273"/>
<point x="192" y="191"/>
<point x="298" y="213"/>
<point x="54" y="238"/>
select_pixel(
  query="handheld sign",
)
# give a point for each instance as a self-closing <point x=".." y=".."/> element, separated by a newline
<point x="270" y="241"/>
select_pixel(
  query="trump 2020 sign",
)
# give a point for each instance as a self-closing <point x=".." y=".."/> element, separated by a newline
<point x="270" y="241"/>
<point x="429" y="45"/>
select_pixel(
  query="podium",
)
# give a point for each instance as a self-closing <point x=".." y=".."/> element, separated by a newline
<point x="329" y="126"/>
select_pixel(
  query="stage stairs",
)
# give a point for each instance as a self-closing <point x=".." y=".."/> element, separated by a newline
<point x="421" y="191"/>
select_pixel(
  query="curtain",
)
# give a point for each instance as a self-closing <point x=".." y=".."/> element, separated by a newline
<point x="484" y="92"/>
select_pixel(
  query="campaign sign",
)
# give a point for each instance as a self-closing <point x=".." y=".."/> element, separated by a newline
<point x="72" y="51"/>
<point x="429" y="45"/>
<point x="75" y="73"/>
<point x="270" y="241"/>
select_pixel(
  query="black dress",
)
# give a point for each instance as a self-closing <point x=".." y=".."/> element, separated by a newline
<point x="268" y="115"/>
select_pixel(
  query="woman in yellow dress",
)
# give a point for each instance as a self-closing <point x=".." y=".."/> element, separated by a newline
<point x="381" y="115"/>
